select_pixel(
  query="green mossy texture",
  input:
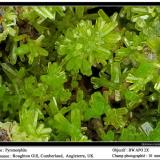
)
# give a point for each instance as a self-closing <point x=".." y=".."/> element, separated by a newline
<point x="79" y="73"/>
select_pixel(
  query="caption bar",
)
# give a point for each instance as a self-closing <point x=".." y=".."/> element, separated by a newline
<point x="77" y="153"/>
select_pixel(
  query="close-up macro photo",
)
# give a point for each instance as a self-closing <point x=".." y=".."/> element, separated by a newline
<point x="79" y="73"/>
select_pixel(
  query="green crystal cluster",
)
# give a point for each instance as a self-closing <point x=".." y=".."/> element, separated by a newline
<point x="79" y="73"/>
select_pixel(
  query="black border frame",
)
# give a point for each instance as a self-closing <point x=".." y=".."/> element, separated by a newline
<point x="89" y="144"/>
<point x="79" y="3"/>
